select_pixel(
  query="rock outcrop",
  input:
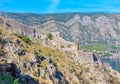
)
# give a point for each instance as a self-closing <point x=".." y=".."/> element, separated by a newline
<point x="13" y="71"/>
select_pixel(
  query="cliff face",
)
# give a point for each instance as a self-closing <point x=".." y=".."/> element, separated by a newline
<point x="85" y="28"/>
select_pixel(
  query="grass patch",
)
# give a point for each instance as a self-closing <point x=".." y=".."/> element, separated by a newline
<point x="92" y="47"/>
<point x="24" y="38"/>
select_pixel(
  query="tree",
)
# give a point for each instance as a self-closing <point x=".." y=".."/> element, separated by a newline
<point x="49" y="35"/>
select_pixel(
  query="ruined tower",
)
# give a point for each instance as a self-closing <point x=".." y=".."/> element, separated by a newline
<point x="57" y="37"/>
<point x="34" y="32"/>
<point x="75" y="48"/>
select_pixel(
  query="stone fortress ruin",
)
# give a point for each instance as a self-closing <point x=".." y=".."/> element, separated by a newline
<point x="39" y="36"/>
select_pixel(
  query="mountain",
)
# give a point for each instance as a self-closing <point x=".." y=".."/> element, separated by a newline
<point x="84" y="28"/>
<point x="24" y="61"/>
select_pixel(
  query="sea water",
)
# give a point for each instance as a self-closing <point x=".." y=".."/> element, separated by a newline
<point x="113" y="62"/>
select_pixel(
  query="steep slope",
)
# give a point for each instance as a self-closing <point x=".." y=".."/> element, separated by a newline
<point x="51" y="66"/>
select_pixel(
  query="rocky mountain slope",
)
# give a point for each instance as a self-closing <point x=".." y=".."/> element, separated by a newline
<point x="48" y="65"/>
<point x="84" y="28"/>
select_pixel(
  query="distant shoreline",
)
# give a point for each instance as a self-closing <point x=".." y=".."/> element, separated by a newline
<point x="111" y="57"/>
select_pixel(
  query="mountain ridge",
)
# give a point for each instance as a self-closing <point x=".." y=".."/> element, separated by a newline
<point x="84" y="28"/>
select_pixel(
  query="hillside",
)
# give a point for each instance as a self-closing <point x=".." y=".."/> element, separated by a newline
<point x="48" y="65"/>
<point x="85" y="28"/>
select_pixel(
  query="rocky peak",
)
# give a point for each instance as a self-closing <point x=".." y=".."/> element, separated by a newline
<point x="87" y="20"/>
<point x="75" y="19"/>
<point x="100" y="21"/>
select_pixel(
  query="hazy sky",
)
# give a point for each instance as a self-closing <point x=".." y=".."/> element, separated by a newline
<point x="60" y="6"/>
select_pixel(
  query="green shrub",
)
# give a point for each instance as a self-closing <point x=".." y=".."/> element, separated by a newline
<point x="91" y="78"/>
<point x="0" y="38"/>
<point x="16" y="81"/>
<point x="35" y="53"/>
<point x="6" y="78"/>
<point x="24" y="38"/>
<point x="62" y="46"/>
<point x="2" y="52"/>
<point x="49" y="35"/>
<point x="34" y="73"/>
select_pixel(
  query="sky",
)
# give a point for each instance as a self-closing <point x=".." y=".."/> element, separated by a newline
<point x="60" y="6"/>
